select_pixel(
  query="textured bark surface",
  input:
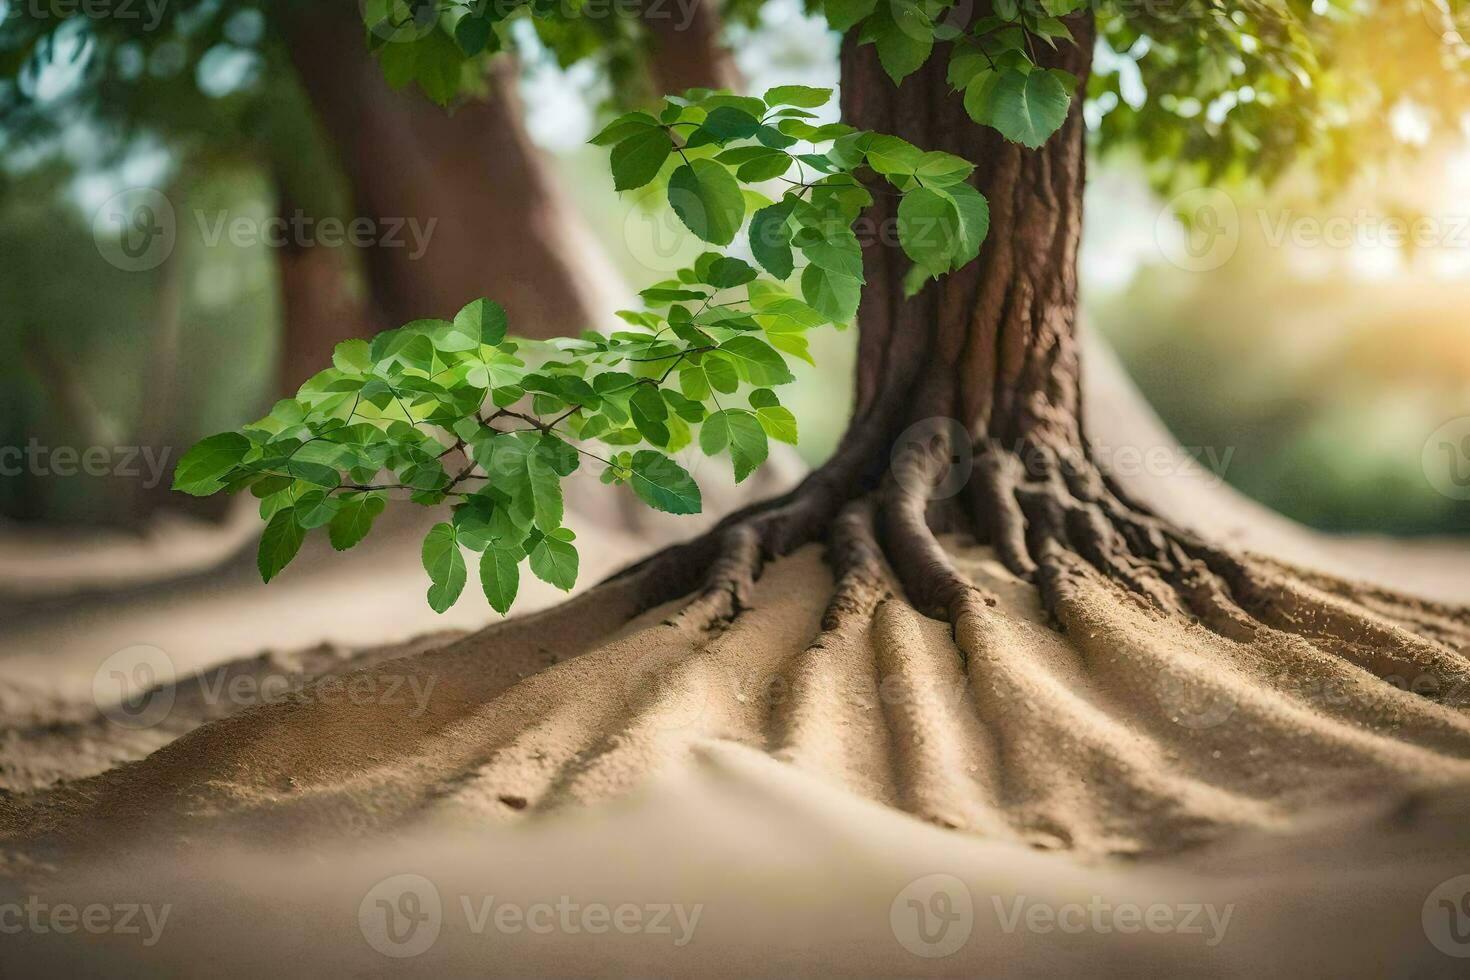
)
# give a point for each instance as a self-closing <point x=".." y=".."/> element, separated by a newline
<point x="501" y="227"/>
<point x="993" y="345"/>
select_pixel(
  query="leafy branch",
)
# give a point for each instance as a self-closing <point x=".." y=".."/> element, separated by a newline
<point x="456" y="412"/>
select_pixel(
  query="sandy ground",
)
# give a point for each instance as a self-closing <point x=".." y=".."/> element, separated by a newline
<point x="559" y="806"/>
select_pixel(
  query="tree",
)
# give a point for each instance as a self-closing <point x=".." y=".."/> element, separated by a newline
<point x="983" y="364"/>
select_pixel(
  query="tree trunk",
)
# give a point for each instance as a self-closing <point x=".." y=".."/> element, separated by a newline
<point x="687" y="51"/>
<point x="462" y="204"/>
<point x="993" y="345"/>
<point x="319" y="305"/>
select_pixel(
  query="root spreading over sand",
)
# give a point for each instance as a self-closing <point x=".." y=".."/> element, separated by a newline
<point x="1134" y="731"/>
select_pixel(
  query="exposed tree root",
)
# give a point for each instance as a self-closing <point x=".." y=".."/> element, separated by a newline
<point x="1105" y="681"/>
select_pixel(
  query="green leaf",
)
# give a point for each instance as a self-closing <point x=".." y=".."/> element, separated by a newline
<point x="721" y="372"/>
<point x="354" y="519"/>
<point x="199" y="472"/>
<point x="727" y="272"/>
<point x="483" y="321"/>
<point x="650" y="414"/>
<point x="445" y="564"/>
<point x="555" y="562"/>
<point x="801" y="96"/>
<point x="1029" y="108"/>
<point x="756" y="362"/>
<point x="500" y="576"/>
<point x="279" y="544"/>
<point x="889" y="155"/>
<point x="774" y="417"/>
<point x="937" y="169"/>
<point x="707" y="198"/>
<point x="315" y="508"/>
<point x="770" y="239"/>
<point x="545" y="488"/>
<point x="352" y="357"/>
<point x="980" y="102"/>
<point x="728" y="122"/>
<point x="834" y="248"/>
<point x="623" y="127"/>
<point x="474" y="33"/>
<point x="929" y="229"/>
<point x="843" y="14"/>
<point x="741" y="431"/>
<point x="637" y="159"/>
<point x="904" y="36"/>
<point x="663" y="484"/>
<point x="756" y="163"/>
<point x="974" y="221"/>
<point x="832" y="294"/>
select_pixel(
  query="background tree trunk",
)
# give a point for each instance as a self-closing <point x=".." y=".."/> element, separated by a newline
<point x="686" y="48"/>
<point x="495" y="220"/>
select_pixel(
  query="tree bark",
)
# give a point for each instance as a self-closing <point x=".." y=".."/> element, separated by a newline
<point x="993" y="345"/>
<point x="687" y="51"/>
<point x="476" y="209"/>
<point x="319" y="306"/>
